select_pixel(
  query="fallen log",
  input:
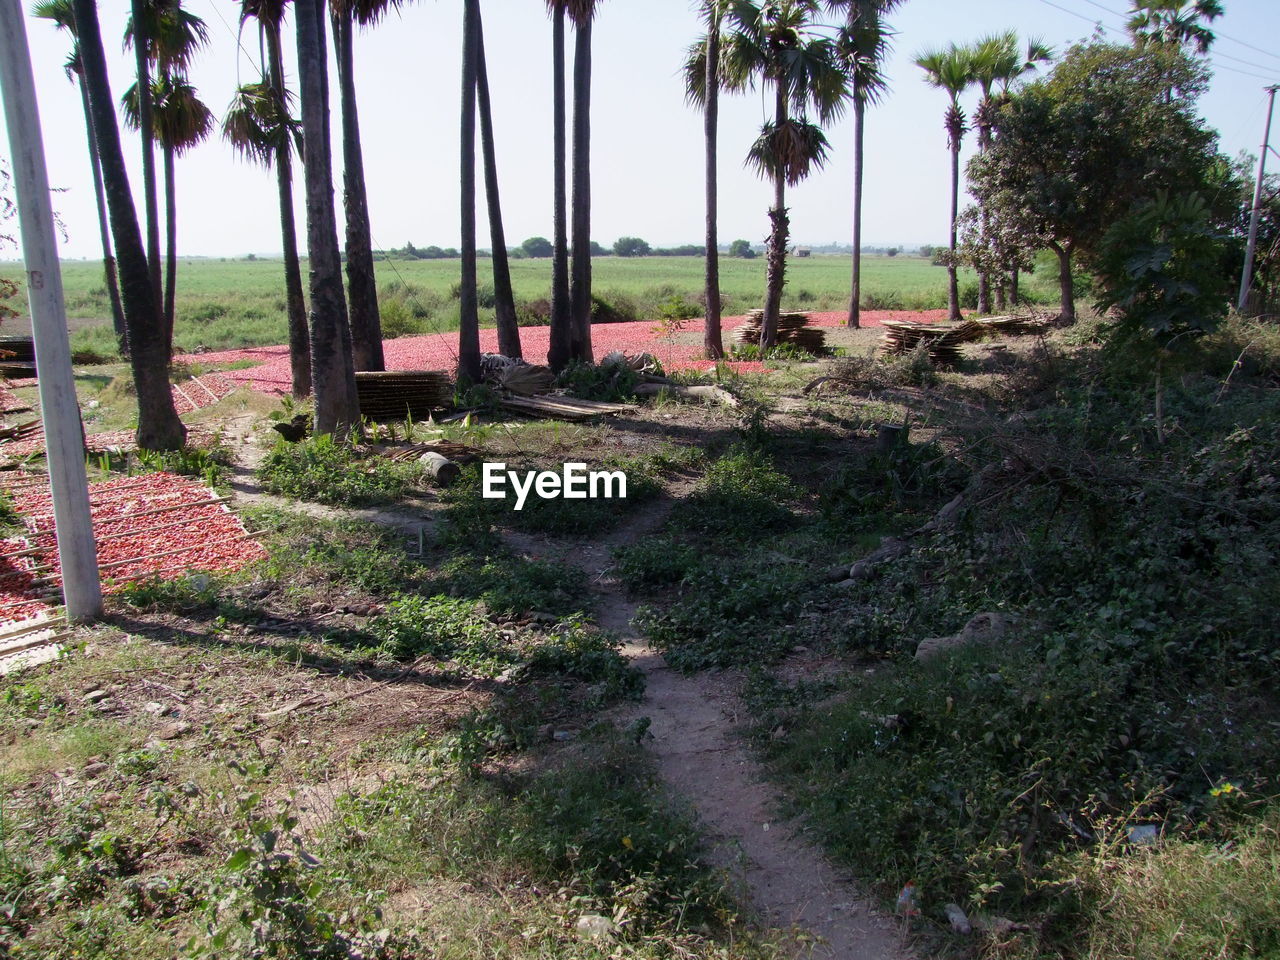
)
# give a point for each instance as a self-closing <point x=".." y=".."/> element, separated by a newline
<point x="718" y="394"/>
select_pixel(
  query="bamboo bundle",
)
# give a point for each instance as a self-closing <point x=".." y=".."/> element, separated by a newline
<point x="1015" y="326"/>
<point x="942" y="340"/>
<point x="792" y="328"/>
<point x="562" y="408"/>
<point x="401" y="394"/>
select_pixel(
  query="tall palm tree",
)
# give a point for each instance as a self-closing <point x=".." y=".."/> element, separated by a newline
<point x="951" y="70"/>
<point x="560" y="346"/>
<point x="469" y="322"/>
<point x="366" y="323"/>
<point x="997" y="62"/>
<point x="582" y="13"/>
<point x="1174" y="23"/>
<point x="702" y="88"/>
<point x="170" y="39"/>
<point x="332" y="371"/>
<point x="136" y="35"/>
<point x="774" y="41"/>
<point x="181" y="122"/>
<point x="60" y="12"/>
<point x="503" y="294"/>
<point x="863" y="44"/>
<point x="260" y="125"/>
<point x="158" y="425"/>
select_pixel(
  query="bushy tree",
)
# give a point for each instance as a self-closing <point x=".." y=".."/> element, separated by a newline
<point x="742" y="249"/>
<point x="1073" y="154"/>
<point x="631" y="247"/>
<point x="537" y="248"/>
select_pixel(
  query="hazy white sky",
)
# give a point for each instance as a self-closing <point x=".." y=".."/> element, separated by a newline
<point x="647" y="148"/>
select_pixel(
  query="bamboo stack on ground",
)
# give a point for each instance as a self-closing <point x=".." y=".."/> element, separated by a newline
<point x="400" y="394"/>
<point x="942" y="340"/>
<point x="793" y="328"/>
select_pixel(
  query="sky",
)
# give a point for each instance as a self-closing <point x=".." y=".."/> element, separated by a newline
<point x="647" y="147"/>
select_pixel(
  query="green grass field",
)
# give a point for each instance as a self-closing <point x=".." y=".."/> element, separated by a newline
<point x="238" y="303"/>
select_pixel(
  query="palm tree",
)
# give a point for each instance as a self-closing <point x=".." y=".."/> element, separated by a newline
<point x="158" y="425"/>
<point x="702" y="87"/>
<point x="863" y="44"/>
<point x="998" y="61"/>
<point x="582" y="13"/>
<point x="560" y="346"/>
<point x="259" y="124"/>
<point x="1174" y="23"/>
<point x="774" y="41"/>
<point x="170" y="38"/>
<point x="366" y="323"/>
<point x="951" y="70"/>
<point x="181" y="122"/>
<point x="332" y="370"/>
<point x="504" y="296"/>
<point x="469" y="321"/>
<point x="60" y="12"/>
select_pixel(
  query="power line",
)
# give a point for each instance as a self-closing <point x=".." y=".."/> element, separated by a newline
<point x="1217" y="35"/>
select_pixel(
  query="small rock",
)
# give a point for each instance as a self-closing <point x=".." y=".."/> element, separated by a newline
<point x="1144" y="834"/>
<point x="319" y="607"/>
<point x="595" y="926"/>
<point x="846" y="584"/>
<point x="94" y="770"/>
<point x="983" y="628"/>
<point x="154" y="707"/>
<point x="560" y="736"/>
<point x="270" y="745"/>
<point x="171" y="731"/>
<point x="959" y="922"/>
<point x="95" y="696"/>
<point x="837" y="573"/>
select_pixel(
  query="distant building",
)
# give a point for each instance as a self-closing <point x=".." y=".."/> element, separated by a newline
<point x="804" y="251"/>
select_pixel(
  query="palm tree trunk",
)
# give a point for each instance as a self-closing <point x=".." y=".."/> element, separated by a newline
<point x="295" y="301"/>
<point x="149" y="190"/>
<point x="104" y="230"/>
<point x="366" y="325"/>
<point x="776" y="266"/>
<point x="469" y="322"/>
<point x="558" y="351"/>
<point x="503" y="295"/>
<point x="1066" y="285"/>
<point x="953" y="282"/>
<point x="158" y="425"/>
<point x="580" y="290"/>
<point x="859" y="155"/>
<point x="712" y="340"/>
<point x="171" y="243"/>
<point x="337" y="409"/>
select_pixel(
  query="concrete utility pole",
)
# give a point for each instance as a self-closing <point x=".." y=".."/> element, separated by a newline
<point x="1246" y="278"/>
<point x="64" y="438"/>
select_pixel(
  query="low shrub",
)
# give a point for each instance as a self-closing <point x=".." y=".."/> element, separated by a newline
<point x="326" y="471"/>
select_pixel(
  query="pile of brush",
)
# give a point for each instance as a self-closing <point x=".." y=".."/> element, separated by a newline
<point x="793" y="328"/>
<point x="515" y="376"/>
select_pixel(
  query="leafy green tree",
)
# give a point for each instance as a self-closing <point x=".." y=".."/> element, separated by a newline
<point x="1160" y="268"/>
<point x="862" y="46"/>
<point x="778" y="44"/>
<point x="537" y="248"/>
<point x="1074" y="153"/>
<point x="631" y="247"/>
<point x="61" y="14"/>
<point x="951" y="70"/>
<point x="742" y="249"/>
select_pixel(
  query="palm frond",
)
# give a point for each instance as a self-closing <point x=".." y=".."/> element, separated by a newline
<point x="791" y="150"/>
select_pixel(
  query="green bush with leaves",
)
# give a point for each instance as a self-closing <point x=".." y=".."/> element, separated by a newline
<point x="741" y="493"/>
<point x="324" y="470"/>
<point x="1161" y="269"/>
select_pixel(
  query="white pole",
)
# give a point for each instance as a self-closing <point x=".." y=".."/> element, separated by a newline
<point x="64" y="438"/>
<point x="1246" y="278"/>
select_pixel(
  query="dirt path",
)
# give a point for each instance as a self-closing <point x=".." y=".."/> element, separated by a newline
<point x="788" y="881"/>
<point x="693" y="719"/>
